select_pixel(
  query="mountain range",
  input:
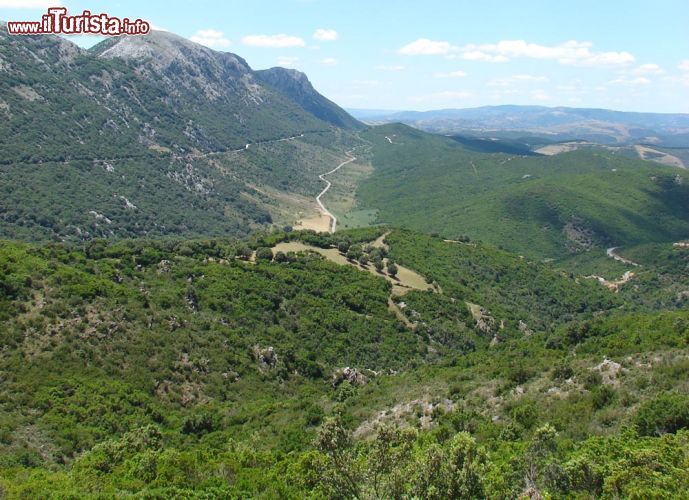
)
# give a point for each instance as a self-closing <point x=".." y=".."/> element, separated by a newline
<point x="552" y="124"/>
<point x="149" y="135"/>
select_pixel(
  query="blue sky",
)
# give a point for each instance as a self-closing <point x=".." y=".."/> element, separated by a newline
<point x="630" y="55"/>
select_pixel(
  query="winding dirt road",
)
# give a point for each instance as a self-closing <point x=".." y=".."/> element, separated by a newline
<point x="610" y="252"/>
<point x="325" y="211"/>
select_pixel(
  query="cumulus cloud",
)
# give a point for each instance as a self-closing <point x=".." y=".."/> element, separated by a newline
<point x="279" y="41"/>
<point x="630" y="82"/>
<point x="211" y="38"/>
<point x="426" y="47"/>
<point x="287" y="61"/>
<point x="509" y="81"/>
<point x="324" y="35"/>
<point x="29" y="4"/>
<point x="329" y="61"/>
<point x="451" y="74"/>
<point x="478" y="55"/>
<point x="572" y="52"/>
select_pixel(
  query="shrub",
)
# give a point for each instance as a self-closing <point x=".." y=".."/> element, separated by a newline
<point x="666" y="413"/>
<point x="264" y="253"/>
<point x="199" y="423"/>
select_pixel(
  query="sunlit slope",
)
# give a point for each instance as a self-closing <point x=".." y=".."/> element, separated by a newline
<point x="547" y="207"/>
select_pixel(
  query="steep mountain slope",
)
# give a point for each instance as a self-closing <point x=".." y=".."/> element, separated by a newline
<point x="148" y="136"/>
<point x="545" y="207"/>
<point x="297" y="86"/>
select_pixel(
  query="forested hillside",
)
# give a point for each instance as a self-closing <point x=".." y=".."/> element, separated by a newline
<point x="554" y="207"/>
<point x="152" y="136"/>
<point x="171" y="367"/>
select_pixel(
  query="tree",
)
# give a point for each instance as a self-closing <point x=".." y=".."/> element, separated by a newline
<point x="542" y="446"/>
<point x="340" y="474"/>
<point x="264" y="253"/>
<point x="363" y="260"/>
<point x="245" y="252"/>
<point x="343" y="246"/>
<point x="378" y="263"/>
<point x="455" y="470"/>
<point x="354" y="253"/>
<point x="392" y="268"/>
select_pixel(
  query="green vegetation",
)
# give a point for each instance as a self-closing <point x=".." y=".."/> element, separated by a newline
<point x="166" y="367"/>
<point x="376" y="362"/>
<point x="541" y="207"/>
<point x="127" y="152"/>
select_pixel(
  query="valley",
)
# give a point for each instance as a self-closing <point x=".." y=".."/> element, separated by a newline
<point x="215" y="282"/>
<point x="565" y="207"/>
<point x="325" y="221"/>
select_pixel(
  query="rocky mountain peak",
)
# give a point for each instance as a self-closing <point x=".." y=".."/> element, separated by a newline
<point x="181" y="63"/>
<point x="162" y="49"/>
<point x="296" y="85"/>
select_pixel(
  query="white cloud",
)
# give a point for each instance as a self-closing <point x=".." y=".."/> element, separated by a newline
<point x="683" y="65"/>
<point x="572" y="52"/>
<point x="324" y="35"/>
<point x="478" y="55"/>
<point x="394" y="67"/>
<point x="329" y="61"/>
<point x="287" y="61"/>
<point x="630" y="82"/>
<point x="426" y="47"/>
<point x="509" y="81"/>
<point x="29" y="4"/>
<point x="211" y="38"/>
<point x="451" y="74"/>
<point x="648" y="69"/>
<point x="279" y="41"/>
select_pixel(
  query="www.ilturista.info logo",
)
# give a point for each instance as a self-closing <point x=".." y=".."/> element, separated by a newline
<point x="57" y="21"/>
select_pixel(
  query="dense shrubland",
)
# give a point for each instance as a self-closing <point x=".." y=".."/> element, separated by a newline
<point x="170" y="367"/>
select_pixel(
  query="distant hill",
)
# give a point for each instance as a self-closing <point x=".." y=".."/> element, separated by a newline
<point x="571" y="204"/>
<point x="148" y="135"/>
<point x="559" y="123"/>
